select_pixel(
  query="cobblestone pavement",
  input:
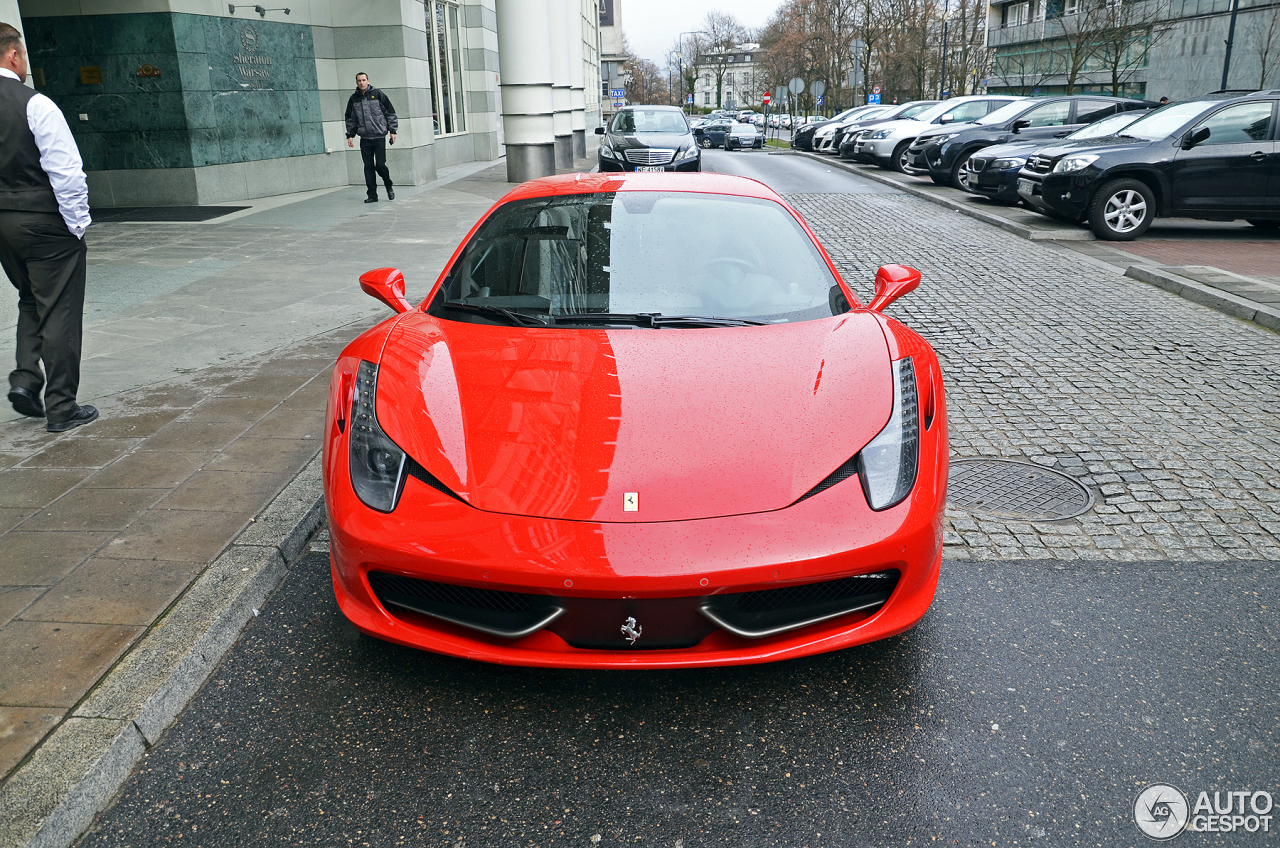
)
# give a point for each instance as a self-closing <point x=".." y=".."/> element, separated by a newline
<point x="1165" y="409"/>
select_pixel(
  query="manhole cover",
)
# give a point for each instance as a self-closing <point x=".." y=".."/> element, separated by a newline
<point x="1017" y="490"/>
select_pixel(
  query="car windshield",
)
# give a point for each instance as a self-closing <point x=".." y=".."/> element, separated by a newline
<point x="936" y="109"/>
<point x="648" y="121"/>
<point x="1107" y="126"/>
<point x="1005" y="112"/>
<point x="1166" y="121"/>
<point x="742" y="128"/>
<point x="912" y="111"/>
<point x="637" y="254"/>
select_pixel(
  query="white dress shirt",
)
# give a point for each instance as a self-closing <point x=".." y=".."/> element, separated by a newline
<point x="60" y="159"/>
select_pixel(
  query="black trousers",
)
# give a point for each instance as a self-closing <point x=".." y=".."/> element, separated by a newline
<point x="46" y="264"/>
<point x="374" y="153"/>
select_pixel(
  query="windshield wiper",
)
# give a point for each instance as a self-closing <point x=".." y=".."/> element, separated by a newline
<point x="652" y="320"/>
<point x="516" y="318"/>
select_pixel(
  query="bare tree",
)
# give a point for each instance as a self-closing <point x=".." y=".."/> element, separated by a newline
<point x="722" y="35"/>
<point x="1266" y="41"/>
<point x="1128" y="31"/>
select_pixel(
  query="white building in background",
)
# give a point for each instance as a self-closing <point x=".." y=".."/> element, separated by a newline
<point x="743" y="83"/>
<point x="613" y="59"/>
<point x="252" y="104"/>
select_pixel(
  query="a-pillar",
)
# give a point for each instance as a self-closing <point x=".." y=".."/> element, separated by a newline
<point x="561" y="86"/>
<point x="577" y="77"/>
<point x="528" y="106"/>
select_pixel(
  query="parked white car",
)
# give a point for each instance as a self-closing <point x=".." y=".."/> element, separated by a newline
<point x="886" y="144"/>
<point x="823" y="138"/>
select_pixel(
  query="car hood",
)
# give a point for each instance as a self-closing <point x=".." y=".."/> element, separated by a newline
<point x="1005" y="151"/>
<point x="1105" y="144"/>
<point x="671" y="141"/>
<point x="561" y="423"/>
<point x="947" y="129"/>
<point x="903" y="126"/>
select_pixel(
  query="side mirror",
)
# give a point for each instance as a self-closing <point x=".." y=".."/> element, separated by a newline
<point x="892" y="282"/>
<point x="386" y="285"/>
<point x="599" y="130"/>
<point x="1020" y="124"/>
<point x="1196" y="136"/>
<point x="946" y="119"/>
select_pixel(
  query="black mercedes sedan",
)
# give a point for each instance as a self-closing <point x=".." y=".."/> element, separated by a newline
<point x="1216" y="157"/>
<point x="943" y="152"/>
<point x="648" y="138"/>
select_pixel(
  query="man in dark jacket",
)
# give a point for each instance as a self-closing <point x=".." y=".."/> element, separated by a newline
<point x="371" y="116"/>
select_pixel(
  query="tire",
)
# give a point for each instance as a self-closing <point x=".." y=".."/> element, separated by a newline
<point x="704" y="143"/>
<point x="1122" y="210"/>
<point x="1265" y="225"/>
<point x="959" y="171"/>
<point x="898" y="161"/>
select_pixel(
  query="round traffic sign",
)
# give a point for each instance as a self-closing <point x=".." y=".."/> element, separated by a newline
<point x="875" y="89"/>
<point x="766" y="98"/>
<point x="817" y="88"/>
<point x="796" y="86"/>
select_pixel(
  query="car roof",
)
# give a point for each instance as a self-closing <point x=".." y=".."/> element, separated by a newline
<point x="663" y="107"/>
<point x="702" y="183"/>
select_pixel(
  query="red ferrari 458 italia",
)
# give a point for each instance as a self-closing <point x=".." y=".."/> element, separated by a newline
<point x="638" y="422"/>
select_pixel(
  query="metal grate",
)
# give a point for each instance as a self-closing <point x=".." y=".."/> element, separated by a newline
<point x="447" y="593"/>
<point x="810" y="594"/>
<point x="1016" y="490"/>
<point x="649" y="156"/>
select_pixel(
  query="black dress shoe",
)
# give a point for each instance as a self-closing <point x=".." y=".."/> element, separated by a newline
<point x="391" y="195"/>
<point x="83" y="415"/>
<point x="26" y="402"/>
<point x="371" y="200"/>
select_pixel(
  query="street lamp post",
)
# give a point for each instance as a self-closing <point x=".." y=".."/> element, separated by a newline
<point x="942" y="82"/>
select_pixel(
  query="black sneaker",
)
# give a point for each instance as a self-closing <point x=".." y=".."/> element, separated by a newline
<point x="371" y="200"/>
<point x="26" y="402"/>
<point x="391" y="195"/>
<point x="83" y="415"/>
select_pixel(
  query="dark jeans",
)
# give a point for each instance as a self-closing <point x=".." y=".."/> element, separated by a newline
<point x="46" y="264"/>
<point x="374" y="152"/>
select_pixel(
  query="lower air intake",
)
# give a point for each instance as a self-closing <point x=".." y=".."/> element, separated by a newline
<point x="768" y="612"/>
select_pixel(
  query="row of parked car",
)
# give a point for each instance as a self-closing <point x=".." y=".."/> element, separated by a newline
<point x="1113" y="163"/>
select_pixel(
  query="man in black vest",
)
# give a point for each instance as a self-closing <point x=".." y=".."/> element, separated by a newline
<point x="44" y="210"/>
<point x="371" y="116"/>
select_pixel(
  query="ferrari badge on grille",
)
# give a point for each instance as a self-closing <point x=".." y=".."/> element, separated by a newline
<point x="630" y="501"/>
<point x="631" y="630"/>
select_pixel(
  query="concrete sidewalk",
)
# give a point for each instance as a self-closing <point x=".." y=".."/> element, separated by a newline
<point x="132" y="549"/>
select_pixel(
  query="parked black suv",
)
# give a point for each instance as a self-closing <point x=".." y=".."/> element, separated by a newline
<point x="1216" y="157"/>
<point x="648" y="138"/>
<point x="943" y="152"/>
<point x="992" y="172"/>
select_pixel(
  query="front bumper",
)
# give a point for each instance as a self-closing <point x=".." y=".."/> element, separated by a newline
<point x="1001" y="185"/>
<point x="1065" y="195"/>
<point x="876" y="150"/>
<point x="628" y="570"/>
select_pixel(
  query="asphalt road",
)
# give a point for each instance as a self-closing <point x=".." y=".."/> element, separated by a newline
<point x="790" y="174"/>
<point x="1031" y="705"/>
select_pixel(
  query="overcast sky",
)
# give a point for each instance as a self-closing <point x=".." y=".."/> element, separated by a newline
<point x="653" y="25"/>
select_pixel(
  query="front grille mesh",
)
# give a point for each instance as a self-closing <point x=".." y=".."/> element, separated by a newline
<point x="977" y="165"/>
<point x="812" y="594"/>
<point x="650" y="156"/>
<point x="447" y="593"/>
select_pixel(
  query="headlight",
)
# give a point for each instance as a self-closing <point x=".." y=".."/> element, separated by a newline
<point x="939" y="139"/>
<point x="1067" y="164"/>
<point x="887" y="466"/>
<point x="607" y="152"/>
<point x="691" y="153"/>
<point x="878" y="134"/>
<point x="377" y="463"/>
<point x="1006" y="164"/>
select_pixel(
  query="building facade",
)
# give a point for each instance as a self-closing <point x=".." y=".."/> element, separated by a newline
<point x="732" y="80"/>
<point x="1136" y="48"/>
<point x="178" y="102"/>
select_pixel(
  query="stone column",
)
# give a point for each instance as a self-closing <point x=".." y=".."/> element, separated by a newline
<point x="561" y="86"/>
<point x="528" y="107"/>
<point x="577" y="79"/>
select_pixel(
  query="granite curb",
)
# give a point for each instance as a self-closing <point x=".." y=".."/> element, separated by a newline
<point x="75" y="773"/>
<point x="1196" y="292"/>
<point x="1062" y="234"/>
